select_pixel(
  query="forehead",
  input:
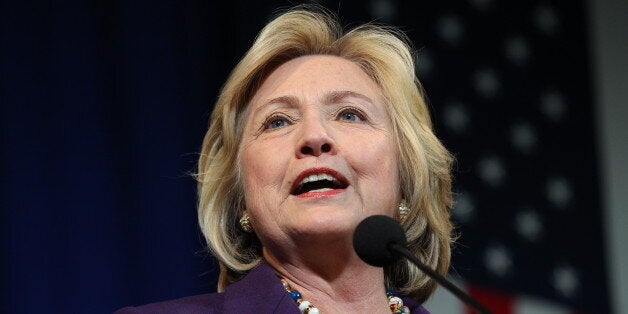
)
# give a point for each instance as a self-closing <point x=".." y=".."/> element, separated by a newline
<point x="309" y="77"/>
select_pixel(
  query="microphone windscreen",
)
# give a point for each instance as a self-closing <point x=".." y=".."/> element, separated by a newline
<point x="372" y="239"/>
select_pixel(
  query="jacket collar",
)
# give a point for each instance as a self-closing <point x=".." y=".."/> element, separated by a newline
<point x="261" y="290"/>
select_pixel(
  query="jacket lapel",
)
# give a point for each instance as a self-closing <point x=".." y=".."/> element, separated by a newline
<point x="260" y="291"/>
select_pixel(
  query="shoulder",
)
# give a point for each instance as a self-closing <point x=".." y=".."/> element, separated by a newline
<point x="259" y="291"/>
<point x="204" y="303"/>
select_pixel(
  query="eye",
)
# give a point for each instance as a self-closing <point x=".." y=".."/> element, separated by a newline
<point x="275" y="122"/>
<point x="351" y="114"/>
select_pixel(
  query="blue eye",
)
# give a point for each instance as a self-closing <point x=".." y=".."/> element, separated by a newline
<point x="276" y="122"/>
<point x="351" y="115"/>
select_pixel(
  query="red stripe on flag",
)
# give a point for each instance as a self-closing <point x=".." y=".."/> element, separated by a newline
<point x="498" y="303"/>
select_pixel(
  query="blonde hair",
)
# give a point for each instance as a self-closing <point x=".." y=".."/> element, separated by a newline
<point x="424" y="166"/>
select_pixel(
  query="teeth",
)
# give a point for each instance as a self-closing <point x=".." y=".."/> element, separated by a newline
<point x="317" y="177"/>
<point x="321" y="190"/>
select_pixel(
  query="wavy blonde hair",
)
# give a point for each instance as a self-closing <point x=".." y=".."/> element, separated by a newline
<point x="424" y="164"/>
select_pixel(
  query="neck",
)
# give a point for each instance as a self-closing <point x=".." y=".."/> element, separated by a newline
<point x="332" y="277"/>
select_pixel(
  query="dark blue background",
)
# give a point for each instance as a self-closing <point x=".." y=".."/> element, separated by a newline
<point x="104" y="105"/>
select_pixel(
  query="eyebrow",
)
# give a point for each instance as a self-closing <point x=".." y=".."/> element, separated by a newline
<point x="336" y="96"/>
<point x="330" y="97"/>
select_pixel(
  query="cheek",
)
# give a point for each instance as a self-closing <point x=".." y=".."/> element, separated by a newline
<point x="262" y="170"/>
<point x="254" y="160"/>
<point x="250" y="175"/>
<point x="378" y="162"/>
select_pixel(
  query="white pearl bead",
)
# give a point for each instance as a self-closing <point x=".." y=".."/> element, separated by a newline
<point x="304" y="305"/>
<point x="313" y="311"/>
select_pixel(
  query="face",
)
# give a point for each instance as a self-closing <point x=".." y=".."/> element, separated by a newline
<point x="318" y="153"/>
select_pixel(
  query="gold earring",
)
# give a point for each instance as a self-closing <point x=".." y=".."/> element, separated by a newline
<point x="403" y="211"/>
<point x="245" y="223"/>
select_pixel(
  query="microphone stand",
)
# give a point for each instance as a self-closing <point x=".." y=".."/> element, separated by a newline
<point x="440" y="279"/>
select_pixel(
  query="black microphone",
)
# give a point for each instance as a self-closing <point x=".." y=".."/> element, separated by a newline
<point x="380" y="240"/>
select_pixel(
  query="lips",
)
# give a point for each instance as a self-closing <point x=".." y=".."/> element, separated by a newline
<point x="318" y="180"/>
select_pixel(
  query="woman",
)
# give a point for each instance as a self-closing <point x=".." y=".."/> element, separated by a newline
<point x="315" y="130"/>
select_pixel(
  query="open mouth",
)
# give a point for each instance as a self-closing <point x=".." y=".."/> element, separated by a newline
<point x="319" y="182"/>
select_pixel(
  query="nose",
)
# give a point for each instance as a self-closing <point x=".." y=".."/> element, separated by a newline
<point x="315" y="140"/>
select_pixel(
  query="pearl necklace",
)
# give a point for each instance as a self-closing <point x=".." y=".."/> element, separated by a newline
<point x="395" y="303"/>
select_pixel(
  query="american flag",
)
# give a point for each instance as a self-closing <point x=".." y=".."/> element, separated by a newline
<point x="510" y="93"/>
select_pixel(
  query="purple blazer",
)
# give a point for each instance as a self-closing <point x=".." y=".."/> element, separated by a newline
<point x="260" y="291"/>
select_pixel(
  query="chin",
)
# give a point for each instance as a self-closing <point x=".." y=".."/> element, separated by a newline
<point x="329" y="222"/>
